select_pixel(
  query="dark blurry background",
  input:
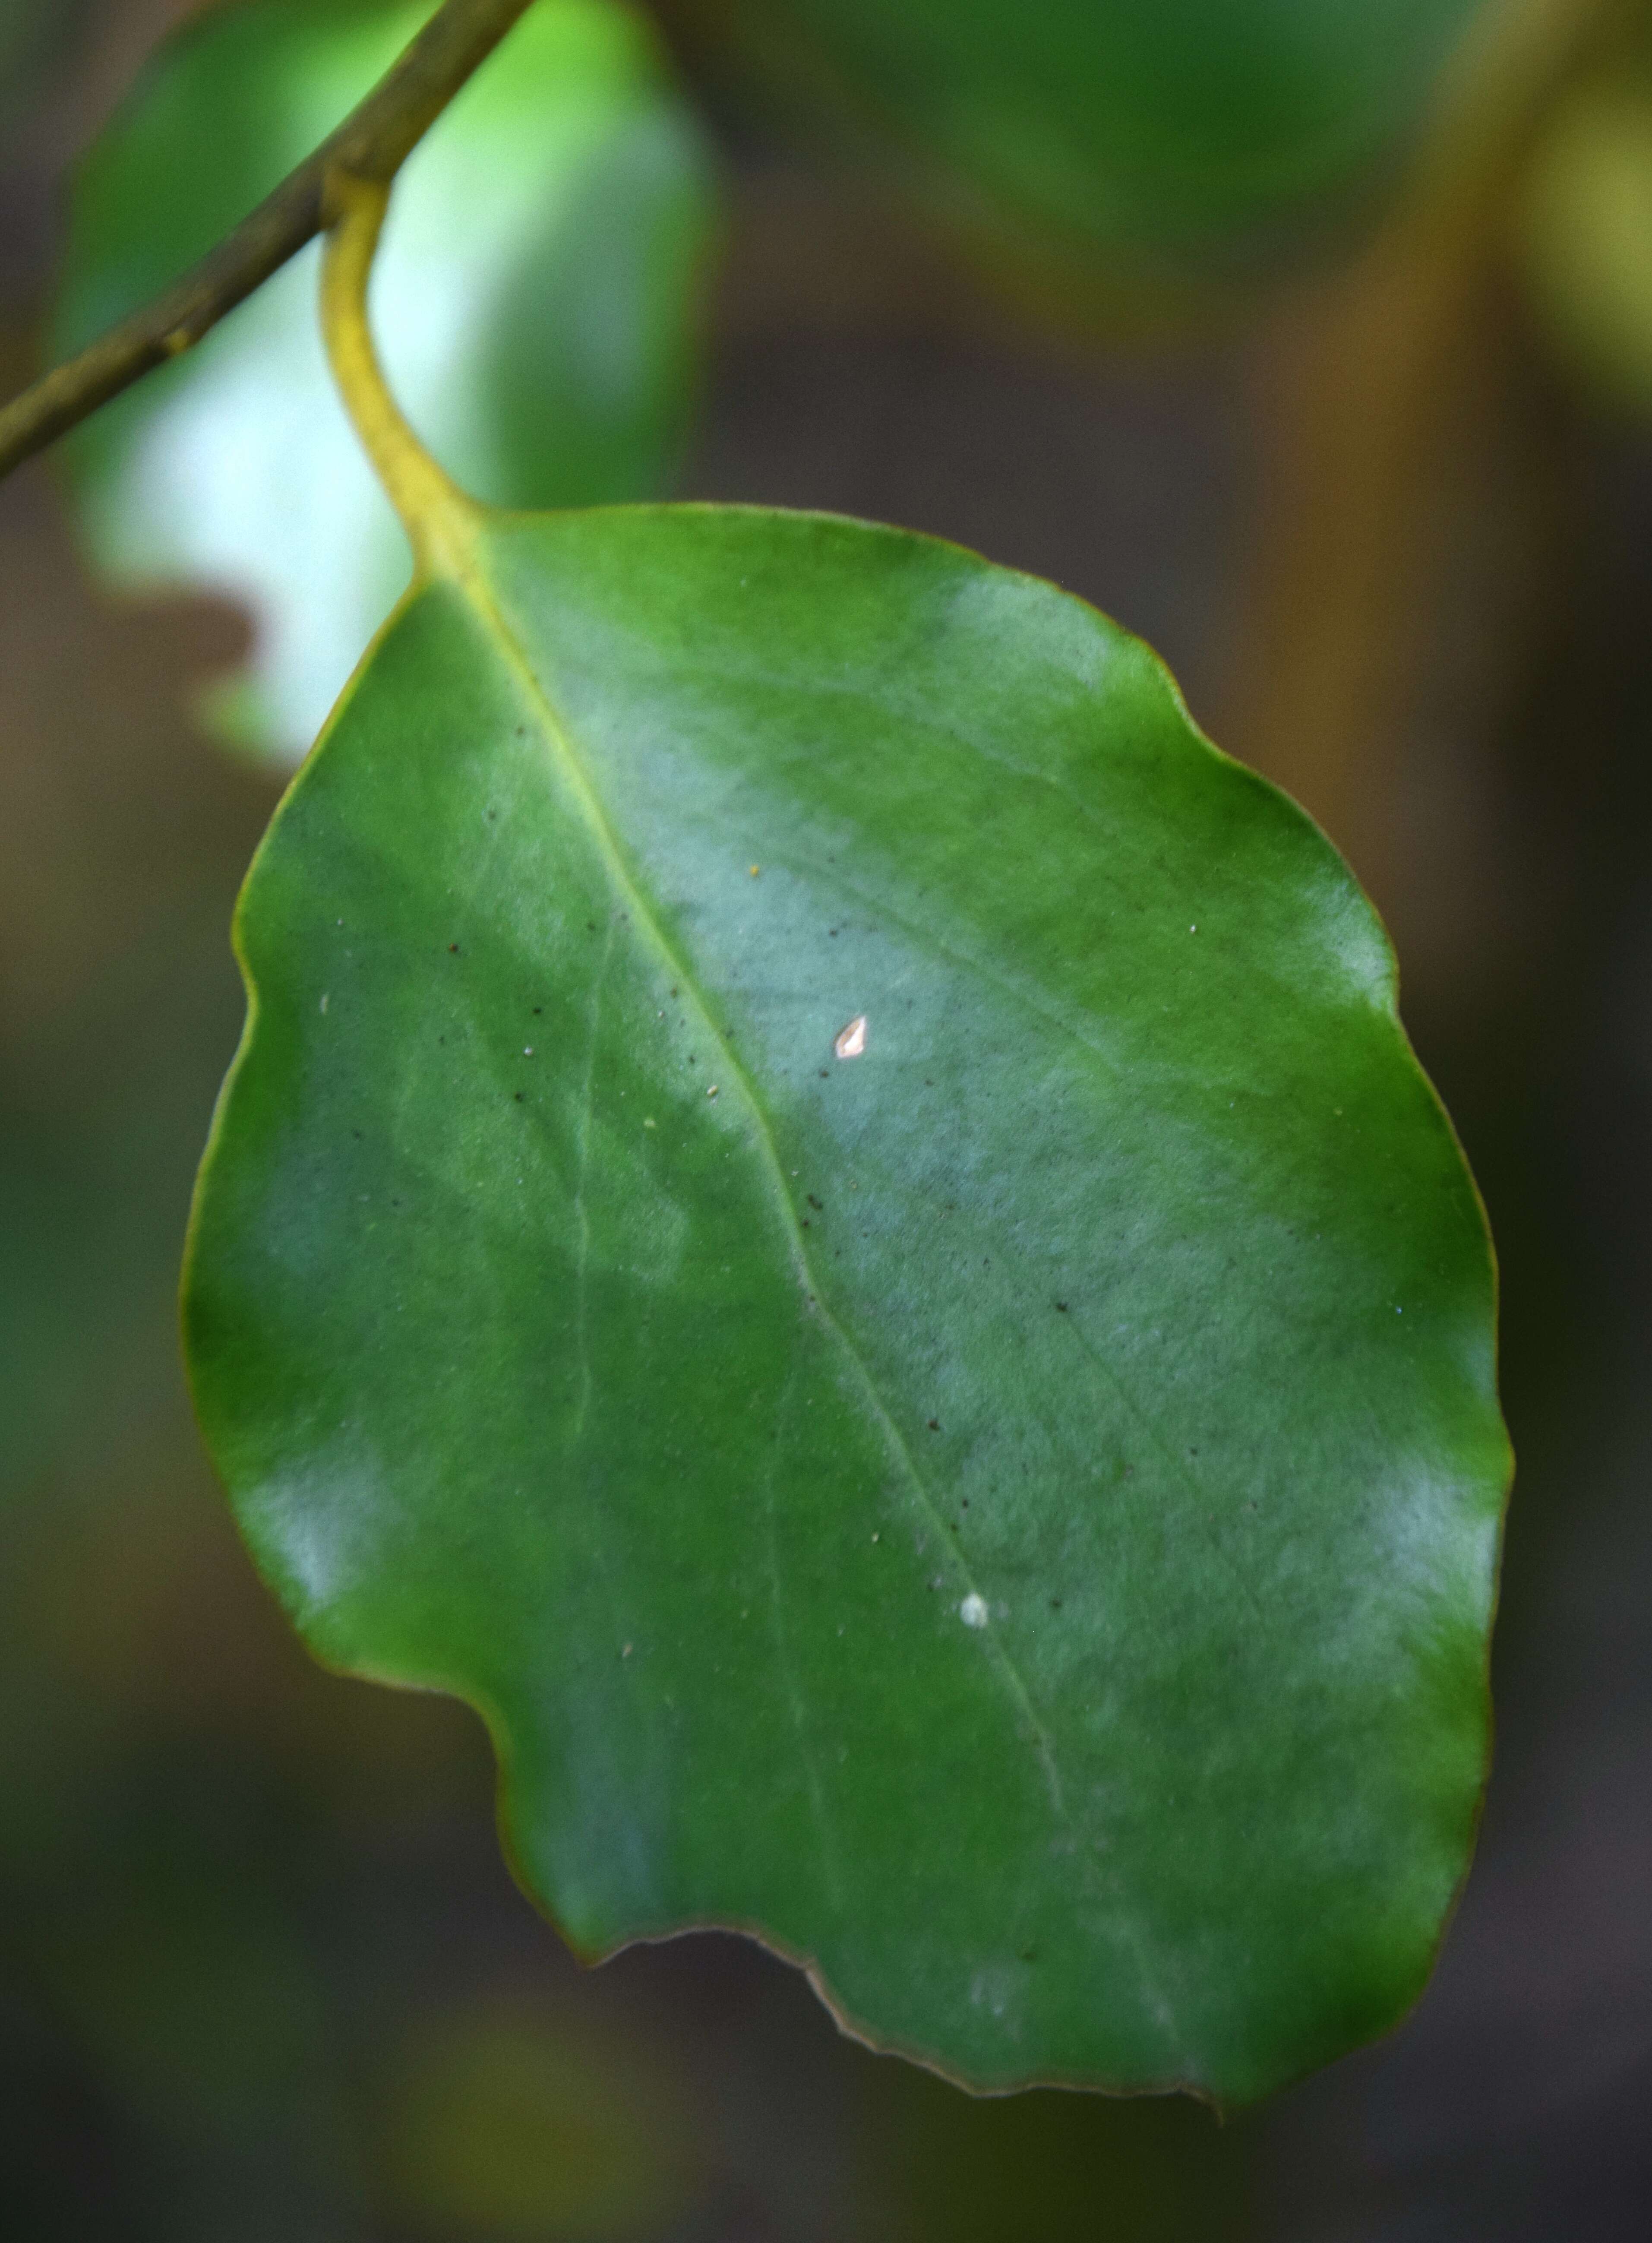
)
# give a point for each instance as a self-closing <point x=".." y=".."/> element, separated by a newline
<point x="262" y="1972"/>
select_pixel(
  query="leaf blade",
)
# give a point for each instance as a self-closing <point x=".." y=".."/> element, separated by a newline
<point x="1177" y="139"/>
<point x="860" y="1497"/>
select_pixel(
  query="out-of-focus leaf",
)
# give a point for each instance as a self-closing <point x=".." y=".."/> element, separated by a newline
<point x="961" y="2170"/>
<point x="1173" y="134"/>
<point x="534" y="298"/>
<point x="203" y="2005"/>
<point x="1586" y="237"/>
<point x="497" y="2126"/>
<point x="825" y="1212"/>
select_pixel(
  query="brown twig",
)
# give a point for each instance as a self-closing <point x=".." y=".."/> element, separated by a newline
<point x="371" y="144"/>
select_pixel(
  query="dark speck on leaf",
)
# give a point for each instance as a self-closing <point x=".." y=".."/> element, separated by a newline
<point x="1062" y="1306"/>
<point x="452" y="947"/>
<point x="538" y="1008"/>
<point x="934" y="1425"/>
<point x="674" y="989"/>
<point x="823" y="1073"/>
<point x="519" y="1097"/>
<point x="814" y="1203"/>
<point x="805" y="1222"/>
<point x="1055" y="1604"/>
<point x="591" y="923"/>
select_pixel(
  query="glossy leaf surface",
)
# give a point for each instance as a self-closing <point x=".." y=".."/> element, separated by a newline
<point x="1173" y="130"/>
<point x="534" y="298"/>
<point x="824" y="1212"/>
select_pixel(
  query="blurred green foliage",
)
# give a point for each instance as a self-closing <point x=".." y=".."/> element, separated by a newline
<point x="496" y="2124"/>
<point x="536" y="302"/>
<point x="1583" y="229"/>
<point x="1174" y="137"/>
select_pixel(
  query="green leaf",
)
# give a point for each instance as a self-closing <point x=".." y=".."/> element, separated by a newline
<point x="825" y="1213"/>
<point x="1180" y="132"/>
<point x="535" y="299"/>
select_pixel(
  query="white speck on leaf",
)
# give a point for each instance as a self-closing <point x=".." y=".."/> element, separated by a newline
<point x="648" y="1122"/>
<point x="973" y="1611"/>
<point x="711" y="1090"/>
<point x="324" y="1004"/>
<point x="850" y="1042"/>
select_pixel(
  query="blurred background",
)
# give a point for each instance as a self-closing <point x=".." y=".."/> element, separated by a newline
<point x="1381" y="494"/>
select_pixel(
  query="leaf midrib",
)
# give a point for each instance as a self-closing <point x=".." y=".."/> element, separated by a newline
<point x="479" y="591"/>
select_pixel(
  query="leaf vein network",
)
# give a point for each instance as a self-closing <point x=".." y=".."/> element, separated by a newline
<point x="499" y="628"/>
